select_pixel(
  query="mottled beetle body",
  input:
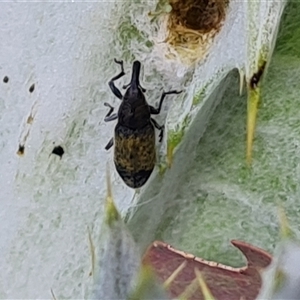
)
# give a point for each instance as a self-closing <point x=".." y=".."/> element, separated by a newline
<point x="134" y="138"/>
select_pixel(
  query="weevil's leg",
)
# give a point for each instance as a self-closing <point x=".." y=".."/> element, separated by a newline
<point x="111" y="84"/>
<point x="156" y="111"/>
<point x="109" y="144"/>
<point x="159" y="127"/>
<point x="111" y="109"/>
<point x="110" y="116"/>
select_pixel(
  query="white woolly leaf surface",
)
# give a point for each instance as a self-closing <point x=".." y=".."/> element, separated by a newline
<point x="47" y="203"/>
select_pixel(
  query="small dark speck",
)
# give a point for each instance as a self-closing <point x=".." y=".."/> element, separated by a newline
<point x="21" y="150"/>
<point x="31" y="89"/>
<point x="58" y="150"/>
<point x="5" y="79"/>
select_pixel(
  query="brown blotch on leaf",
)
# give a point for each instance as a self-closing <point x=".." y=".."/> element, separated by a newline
<point x="59" y="151"/>
<point x="30" y="119"/>
<point x="255" y="79"/>
<point x="200" y="15"/>
<point x="223" y="281"/>
<point x="5" y="79"/>
<point x="193" y="24"/>
<point x="21" y="150"/>
<point x="31" y="89"/>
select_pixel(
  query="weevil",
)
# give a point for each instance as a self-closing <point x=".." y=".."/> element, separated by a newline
<point x="134" y="136"/>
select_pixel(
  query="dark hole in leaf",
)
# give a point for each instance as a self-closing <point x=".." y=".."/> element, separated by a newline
<point x="255" y="79"/>
<point x="58" y="150"/>
<point x="31" y="89"/>
<point x="5" y="79"/>
<point x="21" y="150"/>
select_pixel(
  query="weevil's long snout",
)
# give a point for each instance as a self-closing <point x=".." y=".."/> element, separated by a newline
<point x="135" y="79"/>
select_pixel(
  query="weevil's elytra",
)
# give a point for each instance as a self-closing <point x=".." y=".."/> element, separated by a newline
<point x="135" y="158"/>
<point x="134" y="140"/>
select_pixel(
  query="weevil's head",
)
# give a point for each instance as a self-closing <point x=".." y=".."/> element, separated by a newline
<point x="135" y="93"/>
<point x="134" y="110"/>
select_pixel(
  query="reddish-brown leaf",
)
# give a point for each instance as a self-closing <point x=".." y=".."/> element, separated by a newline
<point x="224" y="282"/>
